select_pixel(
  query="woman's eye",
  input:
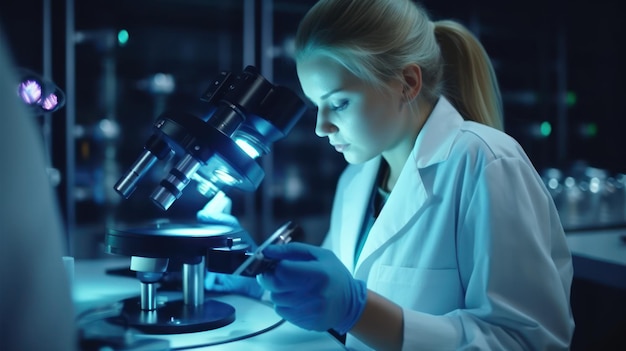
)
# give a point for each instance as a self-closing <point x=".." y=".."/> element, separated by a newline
<point x="339" y="107"/>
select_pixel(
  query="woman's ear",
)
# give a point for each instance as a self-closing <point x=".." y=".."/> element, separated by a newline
<point x="412" y="75"/>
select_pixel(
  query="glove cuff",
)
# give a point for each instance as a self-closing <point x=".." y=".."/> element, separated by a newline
<point x="355" y="308"/>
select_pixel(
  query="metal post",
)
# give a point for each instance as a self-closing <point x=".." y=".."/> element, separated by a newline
<point x="267" y="70"/>
<point x="249" y="40"/>
<point x="70" y="113"/>
<point x="193" y="283"/>
<point x="148" y="296"/>
<point x="249" y="58"/>
<point x="561" y="92"/>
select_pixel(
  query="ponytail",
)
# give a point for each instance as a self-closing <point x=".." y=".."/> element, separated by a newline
<point x="469" y="80"/>
<point x="375" y="40"/>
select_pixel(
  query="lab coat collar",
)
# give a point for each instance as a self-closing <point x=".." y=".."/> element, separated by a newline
<point x="432" y="146"/>
<point x="434" y="141"/>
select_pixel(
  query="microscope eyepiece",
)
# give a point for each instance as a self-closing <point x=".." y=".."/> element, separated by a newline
<point x="155" y="149"/>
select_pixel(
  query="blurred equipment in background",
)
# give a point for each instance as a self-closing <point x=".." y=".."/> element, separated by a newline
<point x="218" y="151"/>
<point x="39" y="94"/>
<point x="93" y="144"/>
<point x="41" y="97"/>
<point x="587" y="197"/>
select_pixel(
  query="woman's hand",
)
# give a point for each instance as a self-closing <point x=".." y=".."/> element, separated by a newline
<point x="235" y="284"/>
<point x="312" y="289"/>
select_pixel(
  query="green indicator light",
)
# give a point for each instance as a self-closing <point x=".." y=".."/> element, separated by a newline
<point x="570" y="98"/>
<point x="546" y="128"/>
<point x="592" y="129"/>
<point x="122" y="37"/>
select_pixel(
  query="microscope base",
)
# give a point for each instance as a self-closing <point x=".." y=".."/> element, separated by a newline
<point x="175" y="317"/>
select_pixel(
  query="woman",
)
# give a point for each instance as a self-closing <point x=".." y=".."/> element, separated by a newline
<point x="442" y="235"/>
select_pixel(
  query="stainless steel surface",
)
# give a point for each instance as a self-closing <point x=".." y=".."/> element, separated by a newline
<point x="193" y="283"/>
<point x="148" y="296"/>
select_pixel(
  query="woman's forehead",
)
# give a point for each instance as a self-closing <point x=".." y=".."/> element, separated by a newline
<point x="320" y="75"/>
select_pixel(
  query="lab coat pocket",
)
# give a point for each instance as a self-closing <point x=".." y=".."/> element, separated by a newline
<point x="435" y="291"/>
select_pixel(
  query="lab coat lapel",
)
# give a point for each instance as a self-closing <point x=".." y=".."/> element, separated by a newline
<point x="396" y="214"/>
<point x="432" y="146"/>
<point x="355" y="207"/>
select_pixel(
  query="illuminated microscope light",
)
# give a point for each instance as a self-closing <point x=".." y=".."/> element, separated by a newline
<point x="220" y="150"/>
<point x="208" y="188"/>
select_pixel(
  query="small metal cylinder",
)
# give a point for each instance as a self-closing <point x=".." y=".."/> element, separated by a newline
<point x="148" y="296"/>
<point x="193" y="283"/>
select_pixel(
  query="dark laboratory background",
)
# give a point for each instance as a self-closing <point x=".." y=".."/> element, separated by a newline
<point x="122" y="63"/>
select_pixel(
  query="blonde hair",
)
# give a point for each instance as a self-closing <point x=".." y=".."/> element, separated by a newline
<point x="376" y="39"/>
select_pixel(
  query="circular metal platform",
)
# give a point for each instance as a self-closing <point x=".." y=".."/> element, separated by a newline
<point x="173" y="317"/>
<point x="170" y="240"/>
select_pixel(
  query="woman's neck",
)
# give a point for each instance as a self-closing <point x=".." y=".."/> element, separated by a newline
<point x="396" y="157"/>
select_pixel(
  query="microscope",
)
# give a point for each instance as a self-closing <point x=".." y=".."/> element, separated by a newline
<point x="219" y="152"/>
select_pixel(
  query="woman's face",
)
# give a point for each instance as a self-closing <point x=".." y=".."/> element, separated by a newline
<point x="361" y="122"/>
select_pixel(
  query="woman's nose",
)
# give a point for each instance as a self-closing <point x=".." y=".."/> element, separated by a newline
<point x="323" y="126"/>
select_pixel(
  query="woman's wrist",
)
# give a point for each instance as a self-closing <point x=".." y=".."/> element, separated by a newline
<point x="381" y="325"/>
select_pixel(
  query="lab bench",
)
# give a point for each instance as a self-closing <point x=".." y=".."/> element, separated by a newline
<point x="598" y="296"/>
<point x="598" y="302"/>
<point x="600" y="256"/>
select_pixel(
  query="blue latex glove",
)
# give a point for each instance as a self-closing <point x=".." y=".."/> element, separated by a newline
<point x="312" y="289"/>
<point x="217" y="211"/>
<point x="218" y="218"/>
<point x="236" y="284"/>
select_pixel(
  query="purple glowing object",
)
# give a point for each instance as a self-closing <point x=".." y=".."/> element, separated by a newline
<point x="50" y="102"/>
<point x="30" y="91"/>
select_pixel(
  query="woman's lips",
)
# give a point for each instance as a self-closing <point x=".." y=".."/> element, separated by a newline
<point x="340" y="147"/>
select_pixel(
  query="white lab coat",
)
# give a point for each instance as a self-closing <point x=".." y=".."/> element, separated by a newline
<point x="469" y="243"/>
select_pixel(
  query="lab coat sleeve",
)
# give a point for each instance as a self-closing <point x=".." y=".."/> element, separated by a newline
<point x="515" y="267"/>
<point x="35" y="298"/>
